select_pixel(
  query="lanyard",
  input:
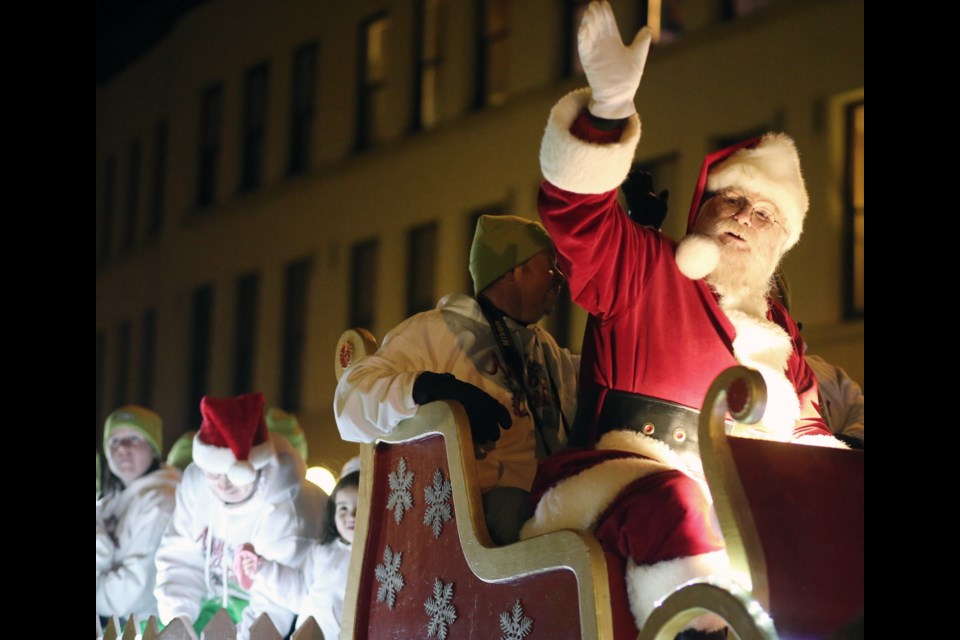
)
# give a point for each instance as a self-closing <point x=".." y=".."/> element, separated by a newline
<point x="515" y="368"/>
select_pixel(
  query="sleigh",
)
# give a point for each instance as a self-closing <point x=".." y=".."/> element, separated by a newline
<point x="424" y="564"/>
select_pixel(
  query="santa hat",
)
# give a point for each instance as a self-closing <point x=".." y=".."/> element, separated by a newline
<point x="769" y="166"/>
<point x="233" y="437"/>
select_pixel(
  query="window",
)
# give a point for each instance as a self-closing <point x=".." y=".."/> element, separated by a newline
<point x="301" y="107"/>
<point x="421" y="268"/>
<point x="853" y="204"/>
<point x="159" y="186"/>
<point x="211" y="113"/>
<point x="128" y="238"/>
<point x="372" y="102"/>
<point x="363" y="283"/>
<point x="254" y="133"/>
<point x="199" y="356"/>
<point x="107" y="209"/>
<point x="124" y="337"/>
<point x="429" y="61"/>
<point x="572" y="18"/>
<point x="294" y="333"/>
<point x="101" y="377"/>
<point x="148" y="356"/>
<point x="494" y="53"/>
<point x="245" y="336"/>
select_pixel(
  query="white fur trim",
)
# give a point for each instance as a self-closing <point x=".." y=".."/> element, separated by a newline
<point x="241" y="473"/>
<point x="771" y="169"/>
<point x="584" y="167"/>
<point x="765" y="346"/>
<point x="697" y="256"/>
<point x="821" y="440"/>
<point x="219" y="460"/>
<point x="648" y="584"/>
<point x="577" y="501"/>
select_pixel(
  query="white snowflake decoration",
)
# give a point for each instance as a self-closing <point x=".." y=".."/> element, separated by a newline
<point x="517" y="626"/>
<point x="400" y="498"/>
<point x="442" y="613"/>
<point x="438" y="509"/>
<point x="389" y="577"/>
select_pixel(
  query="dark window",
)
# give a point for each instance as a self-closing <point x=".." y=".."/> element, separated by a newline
<point x="429" y="60"/>
<point x="371" y="101"/>
<point x="494" y="54"/>
<point x="572" y="18"/>
<point x="101" y="379"/>
<point x="294" y="333"/>
<point x="254" y="133"/>
<point x="108" y="209"/>
<point x="208" y="157"/>
<point x="363" y="283"/>
<point x="244" y="347"/>
<point x="421" y="268"/>
<point x="159" y="186"/>
<point x="128" y="238"/>
<point x="853" y="205"/>
<point x="124" y="338"/>
<point x="301" y="106"/>
<point x="148" y="356"/>
<point x="201" y="332"/>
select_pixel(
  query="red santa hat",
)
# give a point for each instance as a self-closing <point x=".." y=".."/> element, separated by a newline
<point x="233" y="437"/>
<point x="770" y="166"/>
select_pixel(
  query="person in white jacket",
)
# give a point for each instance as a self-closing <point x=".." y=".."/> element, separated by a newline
<point x="132" y="512"/>
<point x="519" y="392"/>
<point x="319" y="588"/>
<point x="244" y="486"/>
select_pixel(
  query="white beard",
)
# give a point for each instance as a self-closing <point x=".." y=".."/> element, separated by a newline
<point x="743" y="278"/>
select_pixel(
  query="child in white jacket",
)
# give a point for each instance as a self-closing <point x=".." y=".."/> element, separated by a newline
<point x="317" y="590"/>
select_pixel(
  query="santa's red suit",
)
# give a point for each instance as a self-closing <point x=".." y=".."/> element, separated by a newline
<point x="653" y="331"/>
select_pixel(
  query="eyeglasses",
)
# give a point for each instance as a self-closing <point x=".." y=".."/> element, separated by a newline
<point x="731" y="203"/>
<point x="130" y="441"/>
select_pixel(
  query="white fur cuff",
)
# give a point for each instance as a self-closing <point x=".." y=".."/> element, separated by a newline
<point x="578" y="166"/>
<point x="648" y="584"/>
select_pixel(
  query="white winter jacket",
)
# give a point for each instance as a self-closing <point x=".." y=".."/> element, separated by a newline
<point x="129" y="527"/>
<point x="376" y="392"/>
<point x="195" y="559"/>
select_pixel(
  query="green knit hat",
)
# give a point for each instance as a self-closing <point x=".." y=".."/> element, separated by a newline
<point x="136" y="417"/>
<point x="181" y="453"/>
<point x="287" y="425"/>
<point x="500" y="244"/>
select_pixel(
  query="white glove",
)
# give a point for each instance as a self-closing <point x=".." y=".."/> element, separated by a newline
<point x="612" y="69"/>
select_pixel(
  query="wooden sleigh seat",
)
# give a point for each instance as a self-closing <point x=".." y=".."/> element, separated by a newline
<point x="424" y="564"/>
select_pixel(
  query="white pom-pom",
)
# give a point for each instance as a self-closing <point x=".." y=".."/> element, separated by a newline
<point x="697" y="256"/>
<point x="241" y="473"/>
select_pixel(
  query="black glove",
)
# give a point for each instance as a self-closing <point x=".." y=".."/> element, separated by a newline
<point x="643" y="205"/>
<point x="487" y="416"/>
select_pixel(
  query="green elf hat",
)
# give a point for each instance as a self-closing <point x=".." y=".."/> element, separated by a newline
<point x="500" y="243"/>
<point x="181" y="453"/>
<point x="148" y="423"/>
<point x="287" y="425"/>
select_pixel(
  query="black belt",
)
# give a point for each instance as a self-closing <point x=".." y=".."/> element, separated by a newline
<point x="671" y="423"/>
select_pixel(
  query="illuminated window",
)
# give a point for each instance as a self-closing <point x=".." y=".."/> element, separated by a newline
<point x="363" y="283"/>
<point x="158" y="188"/>
<point x="421" y="268"/>
<point x="372" y="101"/>
<point x="245" y="332"/>
<point x="294" y="333"/>
<point x="494" y="53"/>
<point x="301" y="107"/>
<point x="208" y="156"/>
<point x="128" y="237"/>
<point x="429" y="60"/>
<point x="254" y="133"/>
<point x="853" y="204"/>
